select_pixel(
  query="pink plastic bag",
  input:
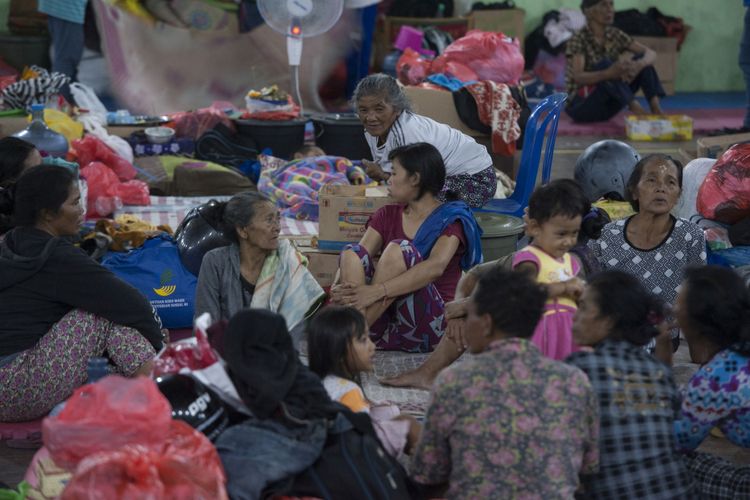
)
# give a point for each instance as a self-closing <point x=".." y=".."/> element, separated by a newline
<point x="412" y="68"/>
<point x="724" y="195"/>
<point x="460" y="71"/>
<point x="185" y="466"/>
<point x="105" y="416"/>
<point x="492" y="56"/>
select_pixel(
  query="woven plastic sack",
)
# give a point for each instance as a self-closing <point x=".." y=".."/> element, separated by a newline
<point x="492" y="56"/>
<point x="724" y="195"/>
<point x="113" y="412"/>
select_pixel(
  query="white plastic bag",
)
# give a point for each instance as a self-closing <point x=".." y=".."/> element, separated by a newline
<point x="95" y="121"/>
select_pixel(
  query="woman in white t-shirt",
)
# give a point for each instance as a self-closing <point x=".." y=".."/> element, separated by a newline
<point x="389" y="122"/>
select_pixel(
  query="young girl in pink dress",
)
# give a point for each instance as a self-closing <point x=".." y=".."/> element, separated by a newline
<point x="553" y="223"/>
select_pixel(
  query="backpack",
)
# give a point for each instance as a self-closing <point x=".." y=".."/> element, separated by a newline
<point x="221" y="145"/>
<point x="353" y="464"/>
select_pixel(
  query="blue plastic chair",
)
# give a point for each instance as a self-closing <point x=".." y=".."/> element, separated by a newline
<point x="546" y="115"/>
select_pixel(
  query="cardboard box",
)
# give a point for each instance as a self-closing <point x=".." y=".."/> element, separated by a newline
<point x="438" y="105"/>
<point x="507" y="21"/>
<point x="714" y="147"/>
<point x="322" y="265"/>
<point x="344" y="211"/>
<point x="659" y="127"/>
<point x="666" y="58"/>
<point x="686" y="155"/>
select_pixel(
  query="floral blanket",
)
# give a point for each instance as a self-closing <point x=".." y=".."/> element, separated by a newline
<point x="294" y="185"/>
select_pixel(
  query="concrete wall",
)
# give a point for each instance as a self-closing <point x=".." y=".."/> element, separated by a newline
<point x="708" y="58"/>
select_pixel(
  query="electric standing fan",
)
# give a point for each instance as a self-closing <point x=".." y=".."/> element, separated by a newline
<point x="298" y="19"/>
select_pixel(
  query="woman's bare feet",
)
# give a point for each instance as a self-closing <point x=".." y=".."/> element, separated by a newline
<point x="419" y="378"/>
<point x="655" y="106"/>
<point x="423" y="377"/>
<point x="636" y="108"/>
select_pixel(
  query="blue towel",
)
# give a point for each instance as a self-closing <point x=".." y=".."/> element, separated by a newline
<point x="449" y="82"/>
<point x="442" y="217"/>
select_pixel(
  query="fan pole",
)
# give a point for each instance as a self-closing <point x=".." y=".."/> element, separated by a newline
<point x="294" y="53"/>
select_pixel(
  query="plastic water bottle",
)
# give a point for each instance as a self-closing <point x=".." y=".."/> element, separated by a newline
<point x="389" y="63"/>
<point x="98" y="368"/>
<point x="40" y="135"/>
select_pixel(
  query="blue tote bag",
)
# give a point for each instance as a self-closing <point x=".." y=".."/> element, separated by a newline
<point x="157" y="271"/>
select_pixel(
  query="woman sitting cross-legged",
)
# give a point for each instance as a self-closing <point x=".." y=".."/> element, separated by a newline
<point x="508" y="422"/>
<point x="605" y="68"/>
<point x="58" y="307"/>
<point x="425" y="243"/>
<point x="713" y="310"/>
<point x="637" y="395"/>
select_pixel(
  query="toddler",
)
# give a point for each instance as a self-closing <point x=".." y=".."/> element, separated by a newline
<point x="553" y="222"/>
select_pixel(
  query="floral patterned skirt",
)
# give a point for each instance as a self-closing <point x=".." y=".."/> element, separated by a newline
<point x="46" y="374"/>
<point x="414" y="322"/>
<point x="474" y="189"/>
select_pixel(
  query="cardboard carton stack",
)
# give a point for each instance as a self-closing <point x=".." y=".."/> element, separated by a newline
<point x="344" y="211"/>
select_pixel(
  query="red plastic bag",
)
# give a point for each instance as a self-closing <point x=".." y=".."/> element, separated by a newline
<point x="491" y="56"/>
<point x="194" y="354"/>
<point x="133" y="193"/>
<point x="412" y="68"/>
<point x="102" y="199"/>
<point x="105" y="416"/>
<point x="106" y="193"/>
<point x="197" y="356"/>
<point x="89" y="149"/>
<point x="187" y="466"/>
<point x="724" y="195"/>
